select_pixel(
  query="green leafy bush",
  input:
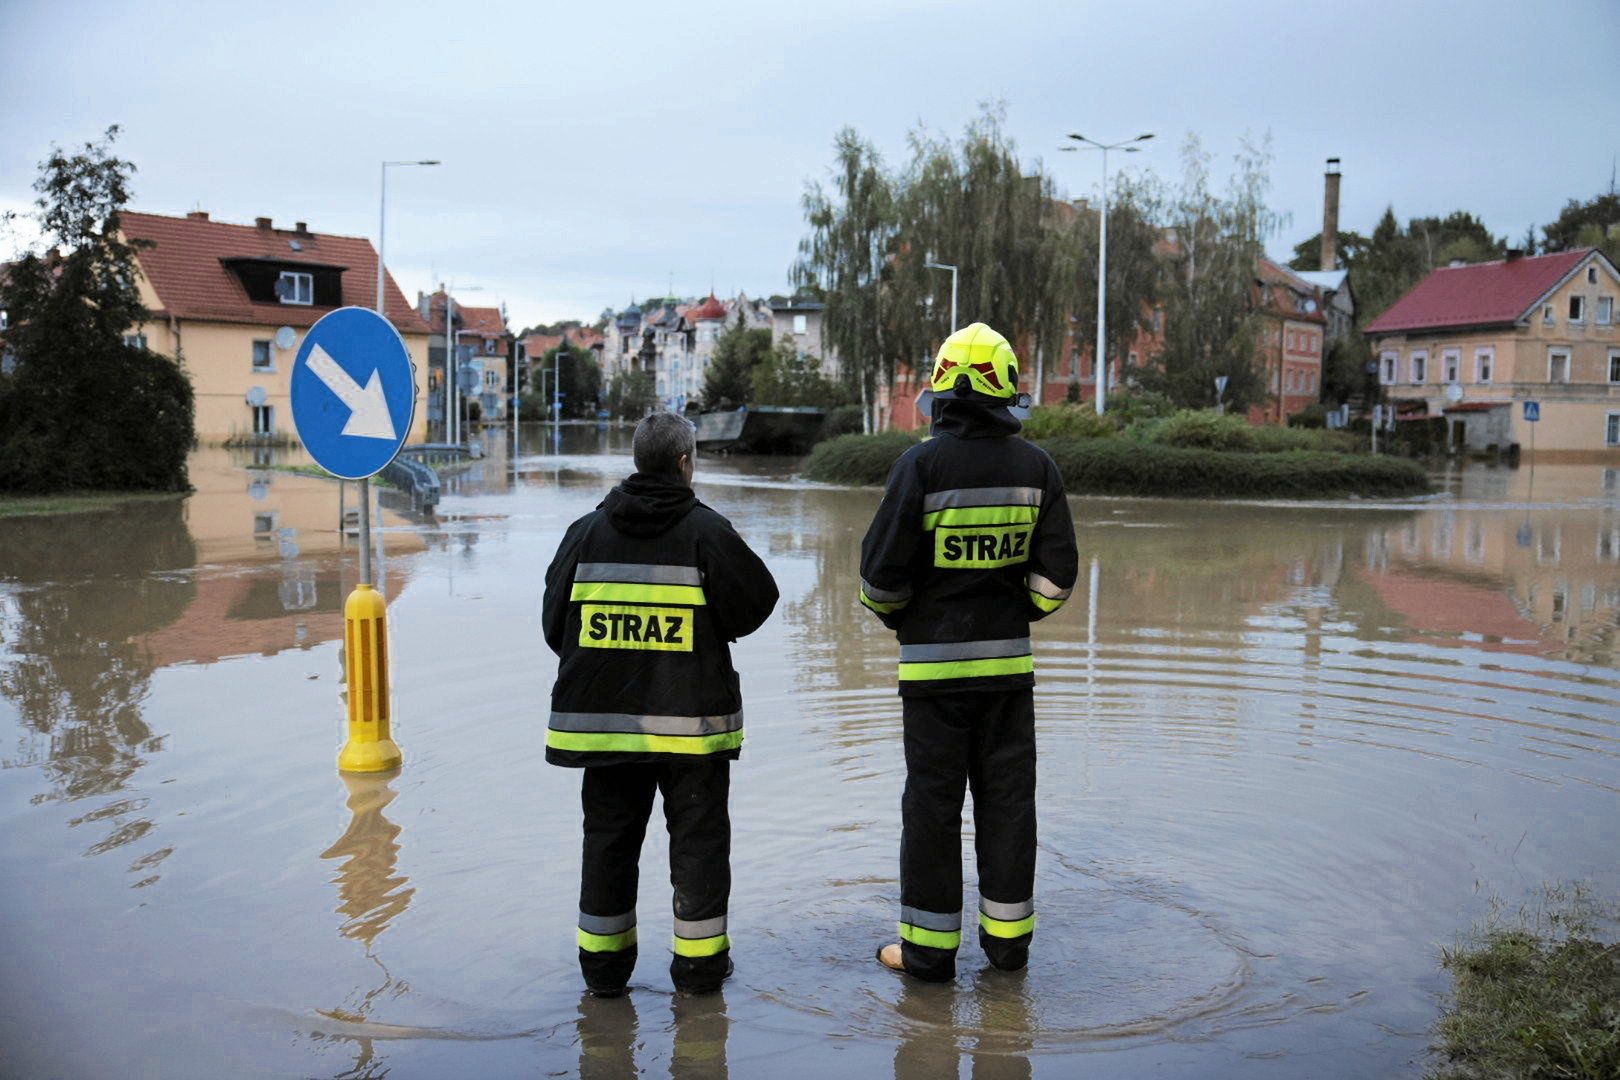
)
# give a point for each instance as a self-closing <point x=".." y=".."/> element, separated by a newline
<point x="857" y="459"/>
<point x="842" y="420"/>
<point x="1204" y="429"/>
<point x="1125" y="467"/>
<point x="1311" y="416"/>
<point x="1274" y="440"/>
<point x="1139" y="405"/>
<point x="1075" y="421"/>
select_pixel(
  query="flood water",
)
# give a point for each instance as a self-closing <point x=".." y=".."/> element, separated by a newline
<point x="1286" y="751"/>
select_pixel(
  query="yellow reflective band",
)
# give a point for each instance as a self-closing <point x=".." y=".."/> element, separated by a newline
<point x="635" y="743"/>
<point x="632" y="593"/>
<point x="703" y="946"/>
<point x="981" y="515"/>
<point x="933" y="939"/>
<point x="1004" y="929"/>
<point x="607" y="942"/>
<point x="966" y="669"/>
<point x="615" y="626"/>
<point x="982" y="547"/>
<point x="880" y="608"/>
<point x="1044" y="603"/>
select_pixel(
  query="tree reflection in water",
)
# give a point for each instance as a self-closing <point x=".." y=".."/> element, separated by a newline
<point x="78" y="599"/>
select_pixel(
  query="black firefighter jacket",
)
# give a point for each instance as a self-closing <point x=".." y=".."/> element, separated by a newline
<point x="642" y="600"/>
<point x="973" y="541"/>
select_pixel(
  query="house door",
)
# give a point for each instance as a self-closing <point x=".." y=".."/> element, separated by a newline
<point x="1459" y="435"/>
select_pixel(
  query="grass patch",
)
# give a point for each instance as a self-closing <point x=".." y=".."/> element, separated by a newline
<point x="1535" y="995"/>
<point x="85" y="502"/>
<point x="1124" y="466"/>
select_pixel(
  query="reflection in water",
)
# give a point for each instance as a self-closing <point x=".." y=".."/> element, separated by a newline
<point x="991" y="1023"/>
<point x="371" y="894"/>
<point x="607" y="1032"/>
<point x="702" y="1026"/>
<point x="77" y="602"/>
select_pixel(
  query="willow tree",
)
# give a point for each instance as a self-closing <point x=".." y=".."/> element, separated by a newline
<point x="1210" y="327"/>
<point x="975" y="206"/>
<point x="1136" y="267"/>
<point x="852" y="231"/>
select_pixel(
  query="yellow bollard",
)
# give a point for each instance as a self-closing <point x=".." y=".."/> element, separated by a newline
<point x="371" y="746"/>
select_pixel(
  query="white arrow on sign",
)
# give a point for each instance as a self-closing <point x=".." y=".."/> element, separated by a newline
<point x="368" y="409"/>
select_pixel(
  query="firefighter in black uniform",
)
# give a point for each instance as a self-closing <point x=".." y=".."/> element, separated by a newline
<point x="973" y="542"/>
<point x="642" y="599"/>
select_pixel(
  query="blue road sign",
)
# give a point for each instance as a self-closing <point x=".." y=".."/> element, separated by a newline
<point x="353" y="392"/>
<point x="1532" y="411"/>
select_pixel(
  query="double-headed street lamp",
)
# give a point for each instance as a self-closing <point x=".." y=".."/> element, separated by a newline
<point x="382" y="226"/>
<point x="1099" y="359"/>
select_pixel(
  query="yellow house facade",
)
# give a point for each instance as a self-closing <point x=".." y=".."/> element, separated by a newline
<point x="217" y="293"/>
<point x="1475" y="343"/>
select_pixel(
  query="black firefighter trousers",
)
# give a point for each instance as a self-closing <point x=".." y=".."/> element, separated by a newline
<point x="984" y="740"/>
<point x="617" y="800"/>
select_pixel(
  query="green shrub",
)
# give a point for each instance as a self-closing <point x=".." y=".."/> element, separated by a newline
<point x="857" y="459"/>
<point x="842" y="420"/>
<point x="1074" y="421"/>
<point x="1273" y="440"/>
<point x="1204" y="429"/>
<point x="1311" y="416"/>
<point x="1139" y="405"/>
<point x="1128" y="467"/>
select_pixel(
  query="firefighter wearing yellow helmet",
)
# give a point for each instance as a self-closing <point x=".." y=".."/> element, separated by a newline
<point x="973" y="541"/>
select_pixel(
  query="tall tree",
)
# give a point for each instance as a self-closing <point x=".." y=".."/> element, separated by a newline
<point x="785" y="376"/>
<point x="1593" y="223"/>
<point x="729" y="378"/>
<point x="851" y="237"/>
<point x="84" y="409"/>
<point x="1136" y="267"/>
<point x="1210" y="328"/>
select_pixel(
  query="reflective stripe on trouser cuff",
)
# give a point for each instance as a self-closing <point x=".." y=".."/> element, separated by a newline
<point x="1007" y="928"/>
<point x="702" y="938"/>
<point x="607" y="942"/>
<point x="640" y="573"/>
<point x="935" y="929"/>
<point x="933" y="939"/>
<point x="966" y="659"/>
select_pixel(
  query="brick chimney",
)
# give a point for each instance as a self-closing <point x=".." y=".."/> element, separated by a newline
<point x="1330" y="216"/>
<point x="301" y="228"/>
<point x="197" y="215"/>
<point x="261" y="222"/>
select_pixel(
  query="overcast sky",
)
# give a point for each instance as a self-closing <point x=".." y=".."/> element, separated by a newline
<point x="595" y="152"/>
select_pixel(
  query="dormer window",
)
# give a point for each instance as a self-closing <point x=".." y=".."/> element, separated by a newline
<point x="294" y="287"/>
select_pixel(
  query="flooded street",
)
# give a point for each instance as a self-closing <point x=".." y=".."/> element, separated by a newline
<point x="1286" y="751"/>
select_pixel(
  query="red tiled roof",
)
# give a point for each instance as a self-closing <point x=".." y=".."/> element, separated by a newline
<point x="191" y="282"/>
<point x="585" y="337"/>
<point x="480" y="320"/>
<point x="1483" y="294"/>
<point x="709" y="310"/>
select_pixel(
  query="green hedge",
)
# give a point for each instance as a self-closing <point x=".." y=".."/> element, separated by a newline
<point x="1118" y="466"/>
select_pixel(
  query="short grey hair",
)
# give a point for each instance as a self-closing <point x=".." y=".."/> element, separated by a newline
<point x="660" y="440"/>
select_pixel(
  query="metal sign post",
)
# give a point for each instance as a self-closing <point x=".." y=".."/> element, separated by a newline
<point x="353" y="394"/>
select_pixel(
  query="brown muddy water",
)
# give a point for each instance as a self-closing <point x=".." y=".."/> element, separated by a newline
<point x="1286" y="752"/>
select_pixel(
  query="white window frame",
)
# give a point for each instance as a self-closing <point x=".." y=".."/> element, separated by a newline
<point x="135" y="341"/>
<point x="1548" y="316"/>
<point x="1611" y="426"/>
<point x="801" y="324"/>
<point x="1603" y="314"/>
<point x="1485" y="364"/>
<point x="269" y="412"/>
<point x="1577" y="305"/>
<point x="303" y="287"/>
<point x="269" y="356"/>
<point x="1552" y="354"/>
<point x="1591" y="275"/>
<point x="1389" y="362"/>
<point x="1418" y="357"/>
<point x="1450" y="365"/>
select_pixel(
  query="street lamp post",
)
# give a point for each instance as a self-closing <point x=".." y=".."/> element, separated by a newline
<point x="452" y="392"/>
<point x="556" y="385"/>
<point x="1099" y="357"/>
<point x="952" y="269"/>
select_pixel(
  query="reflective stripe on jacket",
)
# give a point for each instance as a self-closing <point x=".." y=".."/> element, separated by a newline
<point x="973" y="541"/>
<point x="642" y="624"/>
